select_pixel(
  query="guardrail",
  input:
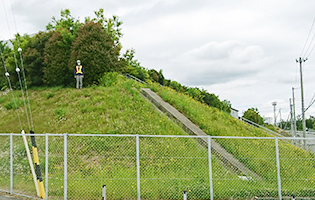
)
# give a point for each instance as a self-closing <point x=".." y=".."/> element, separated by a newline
<point x="266" y="130"/>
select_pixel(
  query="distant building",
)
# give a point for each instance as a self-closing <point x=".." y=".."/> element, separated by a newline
<point x="234" y="113"/>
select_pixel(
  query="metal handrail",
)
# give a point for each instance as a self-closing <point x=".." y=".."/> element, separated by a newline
<point x="270" y="132"/>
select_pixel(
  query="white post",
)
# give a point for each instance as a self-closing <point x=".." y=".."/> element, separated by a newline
<point x="104" y="192"/>
<point x="46" y="166"/>
<point x="30" y="162"/>
<point x="210" y="167"/>
<point x="185" y="195"/>
<point x="65" y="166"/>
<point x="11" y="163"/>
<point x="138" y="166"/>
<point x="278" y="169"/>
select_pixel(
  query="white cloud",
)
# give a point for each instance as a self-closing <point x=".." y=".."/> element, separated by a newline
<point x="231" y="50"/>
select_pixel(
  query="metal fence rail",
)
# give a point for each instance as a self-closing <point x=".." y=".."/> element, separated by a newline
<point x="77" y="166"/>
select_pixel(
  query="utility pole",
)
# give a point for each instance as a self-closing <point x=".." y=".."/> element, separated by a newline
<point x="280" y="118"/>
<point x="294" y="118"/>
<point x="302" y="97"/>
<point x="291" y="115"/>
<point x="274" y="112"/>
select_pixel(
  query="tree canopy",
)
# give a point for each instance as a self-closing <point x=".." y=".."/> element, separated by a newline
<point x="252" y="114"/>
<point x="50" y="56"/>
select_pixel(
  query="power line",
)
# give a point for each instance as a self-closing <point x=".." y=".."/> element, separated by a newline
<point x="306" y="42"/>
<point x="10" y="86"/>
<point x="17" y="69"/>
<point x="31" y="125"/>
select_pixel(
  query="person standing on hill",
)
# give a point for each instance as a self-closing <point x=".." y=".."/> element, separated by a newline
<point x="79" y="74"/>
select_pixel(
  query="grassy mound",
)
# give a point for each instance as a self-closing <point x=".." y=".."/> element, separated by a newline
<point x="297" y="166"/>
<point x="168" y="165"/>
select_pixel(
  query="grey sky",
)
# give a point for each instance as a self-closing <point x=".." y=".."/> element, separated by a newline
<point x="243" y="51"/>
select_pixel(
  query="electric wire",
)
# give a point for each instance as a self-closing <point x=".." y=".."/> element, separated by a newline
<point x="311" y="103"/>
<point x="23" y="72"/>
<point x="306" y="52"/>
<point x="17" y="70"/>
<point x="10" y="87"/>
<point x="306" y="42"/>
<point x="311" y="51"/>
<point x="309" y="34"/>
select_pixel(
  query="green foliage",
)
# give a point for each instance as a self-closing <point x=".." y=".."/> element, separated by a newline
<point x="66" y="22"/>
<point x="252" y="114"/>
<point x="164" y="161"/>
<point x="4" y="53"/>
<point x="195" y="93"/>
<point x="34" y="58"/>
<point x="157" y="77"/>
<point x="60" y="112"/>
<point x="110" y="25"/>
<point x="133" y="66"/>
<point x="217" y="123"/>
<point x="212" y="100"/>
<point x="13" y="104"/>
<point x="109" y="79"/>
<point x="97" y="53"/>
<point x="177" y="86"/>
<point x="57" y="53"/>
<point x="9" y="55"/>
<point x="50" y="95"/>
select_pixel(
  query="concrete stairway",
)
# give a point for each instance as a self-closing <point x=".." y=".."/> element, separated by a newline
<point x="227" y="158"/>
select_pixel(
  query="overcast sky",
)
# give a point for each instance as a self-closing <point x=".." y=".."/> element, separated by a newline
<point x="243" y="51"/>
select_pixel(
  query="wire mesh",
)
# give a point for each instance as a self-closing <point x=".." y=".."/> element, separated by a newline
<point x="5" y="163"/>
<point x="168" y="165"/>
<point x="297" y="167"/>
<point x="259" y="156"/>
<point x="23" y="182"/>
<point x="96" y="161"/>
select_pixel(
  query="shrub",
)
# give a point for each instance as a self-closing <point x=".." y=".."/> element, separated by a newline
<point x="109" y="79"/>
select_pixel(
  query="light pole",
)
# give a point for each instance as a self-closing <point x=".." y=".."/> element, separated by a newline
<point x="274" y="112"/>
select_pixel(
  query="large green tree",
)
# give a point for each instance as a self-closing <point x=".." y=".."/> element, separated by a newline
<point x="5" y="51"/>
<point x="252" y="114"/>
<point x="57" y="53"/>
<point x="110" y="25"/>
<point x="133" y="67"/>
<point x="97" y="52"/>
<point x="66" y="22"/>
<point x="34" y="58"/>
<point x="13" y="57"/>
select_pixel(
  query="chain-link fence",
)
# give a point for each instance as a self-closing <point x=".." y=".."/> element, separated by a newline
<point x="76" y="166"/>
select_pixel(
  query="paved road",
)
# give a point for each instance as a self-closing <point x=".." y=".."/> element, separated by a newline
<point x="6" y="196"/>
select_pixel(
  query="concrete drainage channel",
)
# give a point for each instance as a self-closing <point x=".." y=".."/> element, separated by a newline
<point x="225" y="157"/>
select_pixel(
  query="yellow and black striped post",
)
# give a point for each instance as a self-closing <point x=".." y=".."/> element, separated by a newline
<point x="37" y="168"/>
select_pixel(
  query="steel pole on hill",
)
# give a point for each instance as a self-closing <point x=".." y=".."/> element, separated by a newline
<point x="294" y="118"/>
<point x="302" y="98"/>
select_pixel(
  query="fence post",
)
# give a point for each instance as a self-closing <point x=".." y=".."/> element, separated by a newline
<point x="210" y="167"/>
<point x="11" y="163"/>
<point x="185" y="195"/>
<point x="65" y="167"/>
<point x="278" y="169"/>
<point x="138" y="166"/>
<point x="104" y="192"/>
<point x="46" y="165"/>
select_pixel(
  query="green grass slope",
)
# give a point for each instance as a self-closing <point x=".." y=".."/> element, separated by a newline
<point x="168" y="165"/>
<point x="297" y="166"/>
